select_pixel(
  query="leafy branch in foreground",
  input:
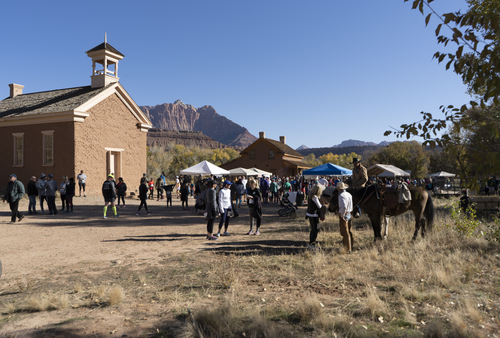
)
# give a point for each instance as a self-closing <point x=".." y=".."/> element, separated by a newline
<point x="477" y="60"/>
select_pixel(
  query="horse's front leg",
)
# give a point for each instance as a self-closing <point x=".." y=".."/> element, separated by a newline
<point x="377" y="228"/>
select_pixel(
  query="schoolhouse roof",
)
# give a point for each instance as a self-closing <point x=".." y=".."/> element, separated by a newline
<point x="59" y="100"/>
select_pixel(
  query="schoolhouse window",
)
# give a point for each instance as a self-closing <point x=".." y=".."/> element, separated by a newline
<point x="251" y="154"/>
<point x="18" y="149"/>
<point x="271" y="154"/>
<point x="48" y="147"/>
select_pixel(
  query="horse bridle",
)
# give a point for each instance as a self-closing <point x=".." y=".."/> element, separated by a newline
<point x="361" y="201"/>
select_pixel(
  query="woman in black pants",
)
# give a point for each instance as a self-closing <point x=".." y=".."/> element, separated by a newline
<point x="254" y="200"/>
<point x="211" y="210"/>
<point x="313" y="211"/>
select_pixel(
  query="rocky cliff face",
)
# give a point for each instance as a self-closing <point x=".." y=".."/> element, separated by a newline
<point x="179" y="116"/>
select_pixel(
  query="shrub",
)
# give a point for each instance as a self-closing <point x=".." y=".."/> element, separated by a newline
<point x="464" y="223"/>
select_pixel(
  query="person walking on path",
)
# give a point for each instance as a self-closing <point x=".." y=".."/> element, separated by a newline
<point x="13" y="194"/>
<point x="50" y="191"/>
<point x="273" y="188"/>
<point x="32" y="194"/>
<point x="224" y="207"/>
<point x="254" y="199"/>
<point x="109" y="194"/>
<point x="82" y="182"/>
<point x="240" y="191"/>
<point x="143" y="195"/>
<point x="70" y="193"/>
<point x="121" y="189"/>
<point x="159" y="189"/>
<point x="211" y="210"/>
<point x="151" y="185"/>
<point x="184" y="196"/>
<point x="345" y="220"/>
<point x="314" y="208"/>
<point x="40" y="185"/>
<point x="62" y="190"/>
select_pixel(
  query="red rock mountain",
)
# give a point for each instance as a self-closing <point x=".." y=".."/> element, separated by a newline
<point x="184" y="117"/>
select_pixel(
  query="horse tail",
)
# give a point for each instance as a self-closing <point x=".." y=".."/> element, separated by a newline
<point x="429" y="212"/>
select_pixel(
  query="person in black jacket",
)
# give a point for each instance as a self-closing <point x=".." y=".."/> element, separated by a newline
<point x="121" y="188"/>
<point x="254" y="200"/>
<point x="109" y="194"/>
<point x="211" y="210"/>
<point x="70" y="193"/>
<point x="13" y="194"/>
<point x="143" y="195"/>
<point x="32" y="194"/>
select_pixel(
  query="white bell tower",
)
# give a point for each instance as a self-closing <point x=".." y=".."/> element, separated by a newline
<point x="107" y="57"/>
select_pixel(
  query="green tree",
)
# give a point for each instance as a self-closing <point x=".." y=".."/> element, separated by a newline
<point x="329" y="158"/>
<point x="311" y="160"/>
<point x="476" y="35"/>
<point x="405" y="155"/>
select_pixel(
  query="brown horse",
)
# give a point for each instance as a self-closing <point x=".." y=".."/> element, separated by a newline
<point x="369" y="199"/>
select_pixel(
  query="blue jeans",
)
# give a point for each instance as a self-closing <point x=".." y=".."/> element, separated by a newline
<point x="32" y="204"/>
<point x="224" y="220"/>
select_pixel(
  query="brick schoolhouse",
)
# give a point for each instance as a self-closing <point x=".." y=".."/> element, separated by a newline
<point x="97" y="128"/>
<point x="270" y="155"/>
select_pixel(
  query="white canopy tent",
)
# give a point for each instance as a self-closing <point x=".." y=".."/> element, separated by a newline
<point x="442" y="174"/>
<point x="204" y="168"/>
<point x="386" y="170"/>
<point x="242" y="172"/>
<point x="261" y="172"/>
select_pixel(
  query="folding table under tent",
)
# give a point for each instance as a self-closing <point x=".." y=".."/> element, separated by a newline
<point x="327" y="169"/>
<point x="386" y="170"/>
<point x="442" y="174"/>
<point x="204" y="168"/>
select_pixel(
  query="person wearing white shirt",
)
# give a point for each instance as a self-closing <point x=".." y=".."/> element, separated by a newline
<point x="244" y="181"/>
<point x="345" y="220"/>
<point x="313" y="209"/>
<point x="224" y="207"/>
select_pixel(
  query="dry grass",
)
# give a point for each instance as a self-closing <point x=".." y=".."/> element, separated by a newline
<point x="45" y="302"/>
<point x="439" y="286"/>
<point x="116" y="295"/>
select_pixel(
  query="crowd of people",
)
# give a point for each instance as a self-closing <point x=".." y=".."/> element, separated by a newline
<point x="213" y="196"/>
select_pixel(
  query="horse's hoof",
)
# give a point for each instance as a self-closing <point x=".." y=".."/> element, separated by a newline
<point x="385" y="237"/>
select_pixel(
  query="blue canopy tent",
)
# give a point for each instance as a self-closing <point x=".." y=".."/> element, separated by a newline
<point x="327" y="169"/>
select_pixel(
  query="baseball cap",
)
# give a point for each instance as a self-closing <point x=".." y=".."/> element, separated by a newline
<point x="111" y="176"/>
<point x="13" y="175"/>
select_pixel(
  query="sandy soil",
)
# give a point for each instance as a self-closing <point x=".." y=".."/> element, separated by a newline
<point x="44" y="253"/>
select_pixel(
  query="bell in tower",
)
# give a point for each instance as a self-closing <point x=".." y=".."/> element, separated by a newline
<point x="105" y="60"/>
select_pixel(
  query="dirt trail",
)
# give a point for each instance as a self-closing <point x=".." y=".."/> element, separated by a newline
<point x="52" y="249"/>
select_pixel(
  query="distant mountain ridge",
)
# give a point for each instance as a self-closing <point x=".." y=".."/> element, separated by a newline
<point x="179" y="116"/>
<point x="360" y="150"/>
<point x="344" y="144"/>
<point x="357" y="143"/>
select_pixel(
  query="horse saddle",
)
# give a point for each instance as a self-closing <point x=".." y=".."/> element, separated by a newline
<point x="391" y="201"/>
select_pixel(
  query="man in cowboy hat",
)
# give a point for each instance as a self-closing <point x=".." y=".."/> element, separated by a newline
<point x="345" y="221"/>
<point x="359" y="174"/>
<point x="359" y="179"/>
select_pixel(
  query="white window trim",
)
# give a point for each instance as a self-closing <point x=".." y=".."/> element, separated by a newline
<point x="14" y="135"/>
<point x="47" y="132"/>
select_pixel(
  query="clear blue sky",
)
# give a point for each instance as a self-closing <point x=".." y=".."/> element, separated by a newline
<point x="318" y="71"/>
